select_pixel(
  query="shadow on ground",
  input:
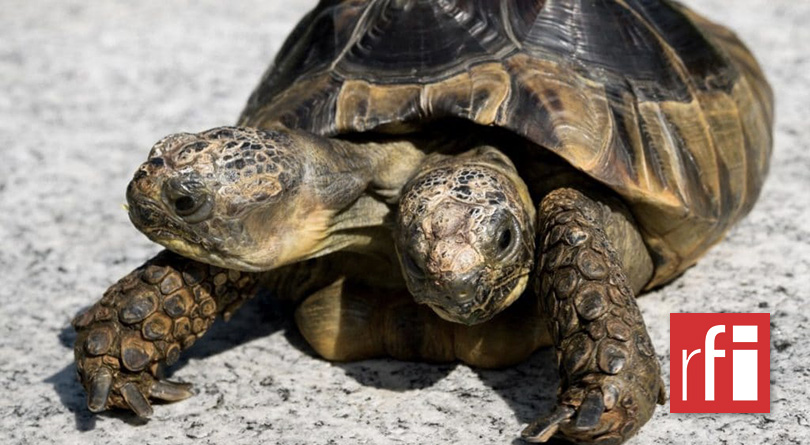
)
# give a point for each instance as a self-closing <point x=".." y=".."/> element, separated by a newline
<point x="529" y="388"/>
<point x="258" y="318"/>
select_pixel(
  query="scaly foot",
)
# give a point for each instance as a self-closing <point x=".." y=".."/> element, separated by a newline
<point x="145" y="320"/>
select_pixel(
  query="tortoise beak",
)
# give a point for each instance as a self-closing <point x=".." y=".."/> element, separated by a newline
<point x="458" y="298"/>
<point x="143" y="198"/>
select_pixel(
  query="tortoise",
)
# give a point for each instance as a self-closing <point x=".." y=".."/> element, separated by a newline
<point x="624" y="136"/>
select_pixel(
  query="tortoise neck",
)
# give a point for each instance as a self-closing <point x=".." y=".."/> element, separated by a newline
<point x="351" y="187"/>
<point x="383" y="166"/>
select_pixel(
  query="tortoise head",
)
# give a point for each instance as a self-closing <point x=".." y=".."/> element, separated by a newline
<point x="235" y="197"/>
<point x="465" y="235"/>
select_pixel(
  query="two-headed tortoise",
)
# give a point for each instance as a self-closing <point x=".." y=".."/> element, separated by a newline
<point x="635" y="132"/>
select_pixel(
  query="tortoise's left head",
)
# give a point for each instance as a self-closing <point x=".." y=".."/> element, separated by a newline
<point x="232" y="197"/>
<point x="465" y="235"/>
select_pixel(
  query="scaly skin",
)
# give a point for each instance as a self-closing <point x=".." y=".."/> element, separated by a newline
<point x="145" y="320"/>
<point x="148" y="317"/>
<point x="349" y="320"/>
<point x="465" y="235"/>
<point x="259" y="199"/>
<point x="610" y="377"/>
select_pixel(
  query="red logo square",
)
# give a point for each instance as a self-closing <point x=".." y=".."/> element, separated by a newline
<point x="720" y="363"/>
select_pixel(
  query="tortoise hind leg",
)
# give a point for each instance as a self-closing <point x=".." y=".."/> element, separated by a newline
<point x="339" y="325"/>
<point x="610" y="377"/>
<point x="349" y="321"/>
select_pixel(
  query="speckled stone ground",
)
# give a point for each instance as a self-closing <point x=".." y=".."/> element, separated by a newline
<point x="85" y="91"/>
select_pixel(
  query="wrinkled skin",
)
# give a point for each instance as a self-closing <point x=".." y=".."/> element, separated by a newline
<point x="465" y="235"/>
<point x="450" y="239"/>
<point x="256" y="200"/>
<point x="265" y="202"/>
<point x="233" y="205"/>
<point x="145" y="320"/>
<point x="610" y="379"/>
<point x="624" y="111"/>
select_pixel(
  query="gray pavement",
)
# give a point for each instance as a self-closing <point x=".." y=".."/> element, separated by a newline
<point x="85" y="90"/>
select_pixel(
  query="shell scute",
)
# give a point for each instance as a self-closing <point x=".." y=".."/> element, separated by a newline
<point x="664" y="107"/>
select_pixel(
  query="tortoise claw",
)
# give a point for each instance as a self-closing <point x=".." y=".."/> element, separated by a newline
<point x="136" y="400"/>
<point x="584" y="417"/>
<point x="102" y="383"/>
<point x="662" y="392"/>
<point x="99" y="390"/>
<point x="543" y="428"/>
<point x="590" y="412"/>
<point x="170" y="391"/>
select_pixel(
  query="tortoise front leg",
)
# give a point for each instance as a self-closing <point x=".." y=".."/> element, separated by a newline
<point x="145" y="320"/>
<point x="610" y="377"/>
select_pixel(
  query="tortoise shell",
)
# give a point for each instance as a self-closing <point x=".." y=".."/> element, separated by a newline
<point x="664" y="107"/>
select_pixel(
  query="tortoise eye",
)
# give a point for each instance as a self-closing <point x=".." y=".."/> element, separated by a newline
<point x="506" y="237"/>
<point x="184" y="205"/>
<point x="412" y="266"/>
<point x="194" y="210"/>
<point x="505" y="240"/>
<point x="188" y="199"/>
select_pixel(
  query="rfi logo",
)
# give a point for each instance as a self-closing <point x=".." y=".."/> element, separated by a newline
<point x="720" y="363"/>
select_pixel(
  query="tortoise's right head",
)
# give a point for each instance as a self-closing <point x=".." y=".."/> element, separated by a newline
<point x="233" y="197"/>
<point x="465" y="235"/>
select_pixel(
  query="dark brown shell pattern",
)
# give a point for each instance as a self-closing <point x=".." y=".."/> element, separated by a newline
<point x="667" y="109"/>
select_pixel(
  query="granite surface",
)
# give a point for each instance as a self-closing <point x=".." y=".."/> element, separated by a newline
<point x="85" y="91"/>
